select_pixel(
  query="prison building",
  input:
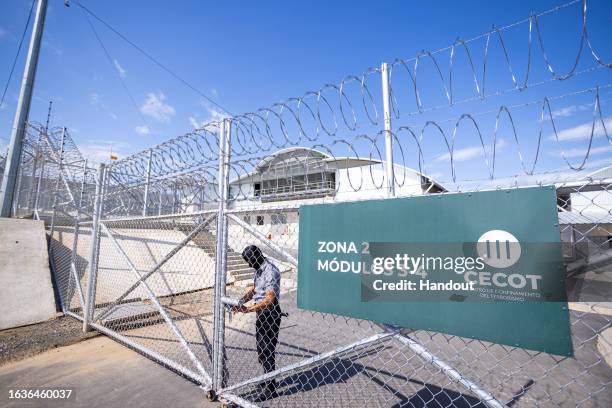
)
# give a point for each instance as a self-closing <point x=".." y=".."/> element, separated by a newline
<point x="282" y="181"/>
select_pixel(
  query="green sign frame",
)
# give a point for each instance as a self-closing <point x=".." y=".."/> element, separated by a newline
<point x="326" y="232"/>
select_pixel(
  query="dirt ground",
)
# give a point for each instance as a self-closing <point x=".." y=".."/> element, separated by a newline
<point x="26" y="341"/>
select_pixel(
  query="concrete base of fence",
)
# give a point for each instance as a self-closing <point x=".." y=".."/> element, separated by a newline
<point x="26" y="290"/>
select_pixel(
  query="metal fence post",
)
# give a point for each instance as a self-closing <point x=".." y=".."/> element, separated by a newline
<point x="57" y="184"/>
<point x="75" y="242"/>
<point x="386" y="93"/>
<point x="33" y="176"/>
<point x="147" y="184"/>
<point x="221" y="258"/>
<point x="107" y="176"/>
<point x="94" y="252"/>
<point x="39" y="186"/>
<point x="161" y="200"/>
<point x="174" y="198"/>
<point x="16" y="195"/>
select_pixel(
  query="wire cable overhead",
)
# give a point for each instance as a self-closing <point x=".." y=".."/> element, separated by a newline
<point x="153" y="59"/>
<point x="25" y="30"/>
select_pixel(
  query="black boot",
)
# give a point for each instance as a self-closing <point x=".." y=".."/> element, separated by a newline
<point x="265" y="391"/>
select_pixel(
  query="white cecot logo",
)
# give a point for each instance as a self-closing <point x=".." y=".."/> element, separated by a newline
<point x="498" y="248"/>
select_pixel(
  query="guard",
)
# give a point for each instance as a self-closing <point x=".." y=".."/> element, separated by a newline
<point x="265" y="294"/>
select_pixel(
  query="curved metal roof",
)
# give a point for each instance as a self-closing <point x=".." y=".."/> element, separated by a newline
<point x="290" y="153"/>
<point x="301" y="153"/>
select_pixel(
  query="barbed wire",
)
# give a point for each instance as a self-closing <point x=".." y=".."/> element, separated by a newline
<point x="332" y="108"/>
<point x="366" y="149"/>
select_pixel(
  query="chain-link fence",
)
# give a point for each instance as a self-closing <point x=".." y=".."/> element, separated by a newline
<point x="55" y="185"/>
<point x="149" y="249"/>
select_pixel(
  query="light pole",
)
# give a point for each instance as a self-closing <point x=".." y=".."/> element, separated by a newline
<point x="7" y="188"/>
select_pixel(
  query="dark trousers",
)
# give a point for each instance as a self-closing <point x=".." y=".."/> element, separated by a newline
<point x="266" y="336"/>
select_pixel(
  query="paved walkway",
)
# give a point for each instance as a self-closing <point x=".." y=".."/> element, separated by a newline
<point x="101" y="373"/>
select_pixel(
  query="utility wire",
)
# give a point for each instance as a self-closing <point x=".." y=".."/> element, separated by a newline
<point x="25" y="30"/>
<point x="152" y="59"/>
<point x="112" y="62"/>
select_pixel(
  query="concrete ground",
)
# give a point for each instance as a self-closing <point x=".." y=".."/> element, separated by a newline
<point x="101" y="373"/>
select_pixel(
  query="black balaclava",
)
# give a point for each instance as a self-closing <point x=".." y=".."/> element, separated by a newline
<point x="253" y="256"/>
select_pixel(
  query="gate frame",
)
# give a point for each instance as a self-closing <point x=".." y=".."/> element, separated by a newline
<point x="389" y="331"/>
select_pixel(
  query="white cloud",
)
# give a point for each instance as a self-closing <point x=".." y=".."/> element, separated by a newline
<point x="469" y="153"/>
<point x="583" y="131"/>
<point x="122" y="72"/>
<point x="581" y="152"/>
<point x="214" y="92"/>
<point x="155" y="107"/>
<point x="98" y="151"/>
<point x="569" y="111"/>
<point x="215" y="114"/>
<point x="3" y="106"/>
<point x="94" y="100"/>
<point x="212" y="115"/>
<point x="464" y="154"/>
<point x="501" y="145"/>
<point x="195" y="123"/>
<point x="142" y="130"/>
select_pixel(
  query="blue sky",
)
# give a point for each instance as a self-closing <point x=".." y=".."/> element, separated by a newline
<point x="247" y="55"/>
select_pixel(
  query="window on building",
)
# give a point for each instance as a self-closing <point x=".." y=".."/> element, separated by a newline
<point x="564" y="202"/>
<point x="278" y="219"/>
<point x="296" y="186"/>
<point x="260" y="220"/>
<point x="331" y="180"/>
<point x="247" y="219"/>
<point x="429" y="186"/>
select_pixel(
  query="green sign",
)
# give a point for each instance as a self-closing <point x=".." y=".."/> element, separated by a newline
<point x="483" y="265"/>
